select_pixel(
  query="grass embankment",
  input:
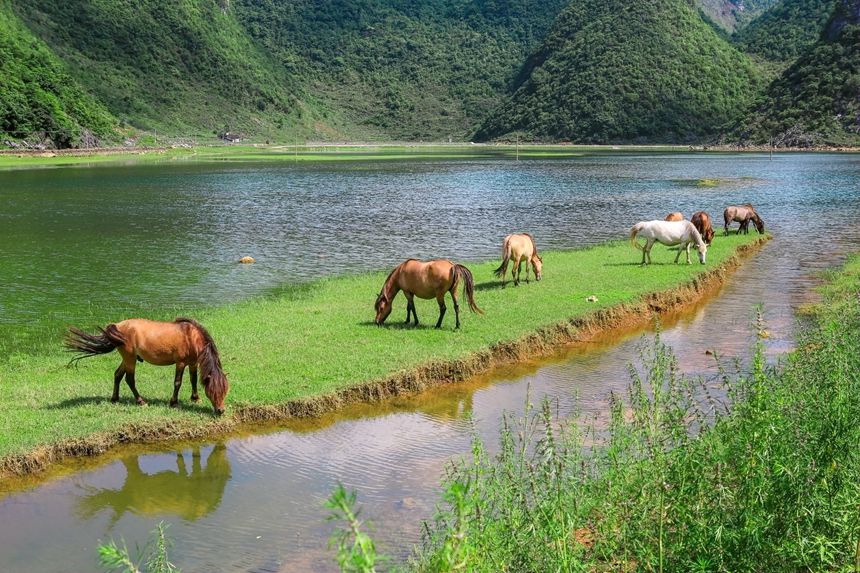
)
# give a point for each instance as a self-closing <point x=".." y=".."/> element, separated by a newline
<point x="310" y="348"/>
<point x="10" y="159"/>
<point x="680" y="482"/>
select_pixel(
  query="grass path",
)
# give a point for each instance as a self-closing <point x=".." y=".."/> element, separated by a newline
<point x="309" y="341"/>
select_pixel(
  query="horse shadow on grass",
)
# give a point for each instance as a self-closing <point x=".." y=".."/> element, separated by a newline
<point x="199" y="407"/>
<point x="400" y="325"/>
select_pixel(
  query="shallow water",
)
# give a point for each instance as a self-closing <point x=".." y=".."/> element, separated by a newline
<point x="254" y="502"/>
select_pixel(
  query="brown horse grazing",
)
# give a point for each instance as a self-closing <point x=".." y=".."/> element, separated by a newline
<point x="702" y="221"/>
<point x="519" y="248"/>
<point x="676" y="216"/>
<point x="426" y="280"/>
<point x="742" y="214"/>
<point x="183" y="342"/>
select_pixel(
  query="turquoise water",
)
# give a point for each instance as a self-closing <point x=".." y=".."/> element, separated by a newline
<point x="90" y="245"/>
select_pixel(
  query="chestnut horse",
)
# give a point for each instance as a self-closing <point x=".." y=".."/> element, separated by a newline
<point x="519" y="248"/>
<point x="183" y="342"/>
<point x="702" y="222"/>
<point x="743" y="214"/>
<point x="681" y="233"/>
<point x="430" y="279"/>
<point x="675" y="216"/>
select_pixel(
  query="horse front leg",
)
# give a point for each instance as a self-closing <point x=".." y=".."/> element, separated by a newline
<point x="440" y="298"/>
<point x="192" y="373"/>
<point x="410" y="307"/>
<point x="519" y="268"/>
<point x="528" y="262"/>
<point x="688" y="253"/>
<point x="177" y="384"/>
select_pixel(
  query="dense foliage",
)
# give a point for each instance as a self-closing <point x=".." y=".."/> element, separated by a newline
<point x="183" y="66"/>
<point x="679" y="482"/>
<point x="787" y="30"/>
<point x="613" y="71"/>
<point x="817" y="99"/>
<point x="402" y="69"/>
<point x="39" y="100"/>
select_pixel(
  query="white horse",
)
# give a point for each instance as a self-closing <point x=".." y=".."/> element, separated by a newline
<point x="681" y="233"/>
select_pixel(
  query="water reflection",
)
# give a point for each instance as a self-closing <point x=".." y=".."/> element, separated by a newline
<point x="187" y="495"/>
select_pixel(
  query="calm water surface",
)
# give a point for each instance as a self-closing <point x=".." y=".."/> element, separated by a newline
<point x="95" y="244"/>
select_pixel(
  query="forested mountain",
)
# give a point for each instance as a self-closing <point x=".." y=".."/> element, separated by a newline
<point x="95" y="71"/>
<point x="786" y="30"/>
<point x="733" y="15"/>
<point x="184" y="66"/>
<point x="817" y="99"/>
<point x="37" y="95"/>
<point x="400" y="68"/>
<point x="612" y="71"/>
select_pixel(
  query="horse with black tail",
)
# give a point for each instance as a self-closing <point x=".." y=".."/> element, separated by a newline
<point x="430" y="279"/>
<point x="518" y="248"/>
<point x="183" y="342"/>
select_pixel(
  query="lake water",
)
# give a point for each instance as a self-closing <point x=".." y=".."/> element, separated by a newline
<point x="87" y="245"/>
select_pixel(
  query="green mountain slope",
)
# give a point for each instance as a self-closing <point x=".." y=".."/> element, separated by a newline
<point x="612" y="71"/>
<point x="786" y="30"/>
<point x="184" y="66"/>
<point x="733" y="15"/>
<point x="817" y="99"/>
<point x="400" y="68"/>
<point x="39" y="100"/>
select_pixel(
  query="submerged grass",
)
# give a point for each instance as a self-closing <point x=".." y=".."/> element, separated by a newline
<point x="679" y="482"/>
<point x="306" y="350"/>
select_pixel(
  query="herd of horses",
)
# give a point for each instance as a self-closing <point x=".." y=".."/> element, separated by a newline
<point x="185" y="343"/>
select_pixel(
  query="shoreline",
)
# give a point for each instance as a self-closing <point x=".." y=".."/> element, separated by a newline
<point x="540" y="342"/>
<point x="322" y="151"/>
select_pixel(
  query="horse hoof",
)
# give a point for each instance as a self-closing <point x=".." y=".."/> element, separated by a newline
<point x="195" y="398"/>
<point x="141" y="402"/>
<point x="174" y="404"/>
<point x="114" y="400"/>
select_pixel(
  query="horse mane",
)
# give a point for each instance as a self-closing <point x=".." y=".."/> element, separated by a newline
<point x="208" y="360"/>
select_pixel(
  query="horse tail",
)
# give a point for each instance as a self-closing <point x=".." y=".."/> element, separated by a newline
<point x="506" y="257"/>
<point x="633" y="232"/>
<point x="463" y="273"/>
<point x="92" y="344"/>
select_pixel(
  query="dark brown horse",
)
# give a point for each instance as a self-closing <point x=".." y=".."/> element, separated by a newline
<point x="431" y="279"/>
<point x="183" y="342"/>
<point x="743" y="214"/>
<point x="702" y="221"/>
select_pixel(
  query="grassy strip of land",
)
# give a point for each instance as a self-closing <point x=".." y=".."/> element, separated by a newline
<point x="310" y="153"/>
<point x="680" y="481"/>
<point x="312" y="347"/>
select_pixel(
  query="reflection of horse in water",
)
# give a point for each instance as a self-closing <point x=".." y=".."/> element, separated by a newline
<point x="180" y="493"/>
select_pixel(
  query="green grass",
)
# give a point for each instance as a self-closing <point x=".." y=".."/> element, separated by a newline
<point x="679" y="481"/>
<point x="317" y="153"/>
<point x="314" y="339"/>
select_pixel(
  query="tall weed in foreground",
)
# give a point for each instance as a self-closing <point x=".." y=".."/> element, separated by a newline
<point x="678" y="482"/>
<point x="113" y="557"/>
<point x="355" y="549"/>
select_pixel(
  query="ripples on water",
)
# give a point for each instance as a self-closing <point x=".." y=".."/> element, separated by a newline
<point x="163" y="237"/>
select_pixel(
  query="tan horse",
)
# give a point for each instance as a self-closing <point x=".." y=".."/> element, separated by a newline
<point x="702" y="222"/>
<point x="183" y="342"/>
<point x="675" y="216"/>
<point x="519" y="248"/>
<point x="430" y="279"/>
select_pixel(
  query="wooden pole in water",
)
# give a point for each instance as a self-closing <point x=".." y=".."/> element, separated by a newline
<point x="518" y="147"/>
